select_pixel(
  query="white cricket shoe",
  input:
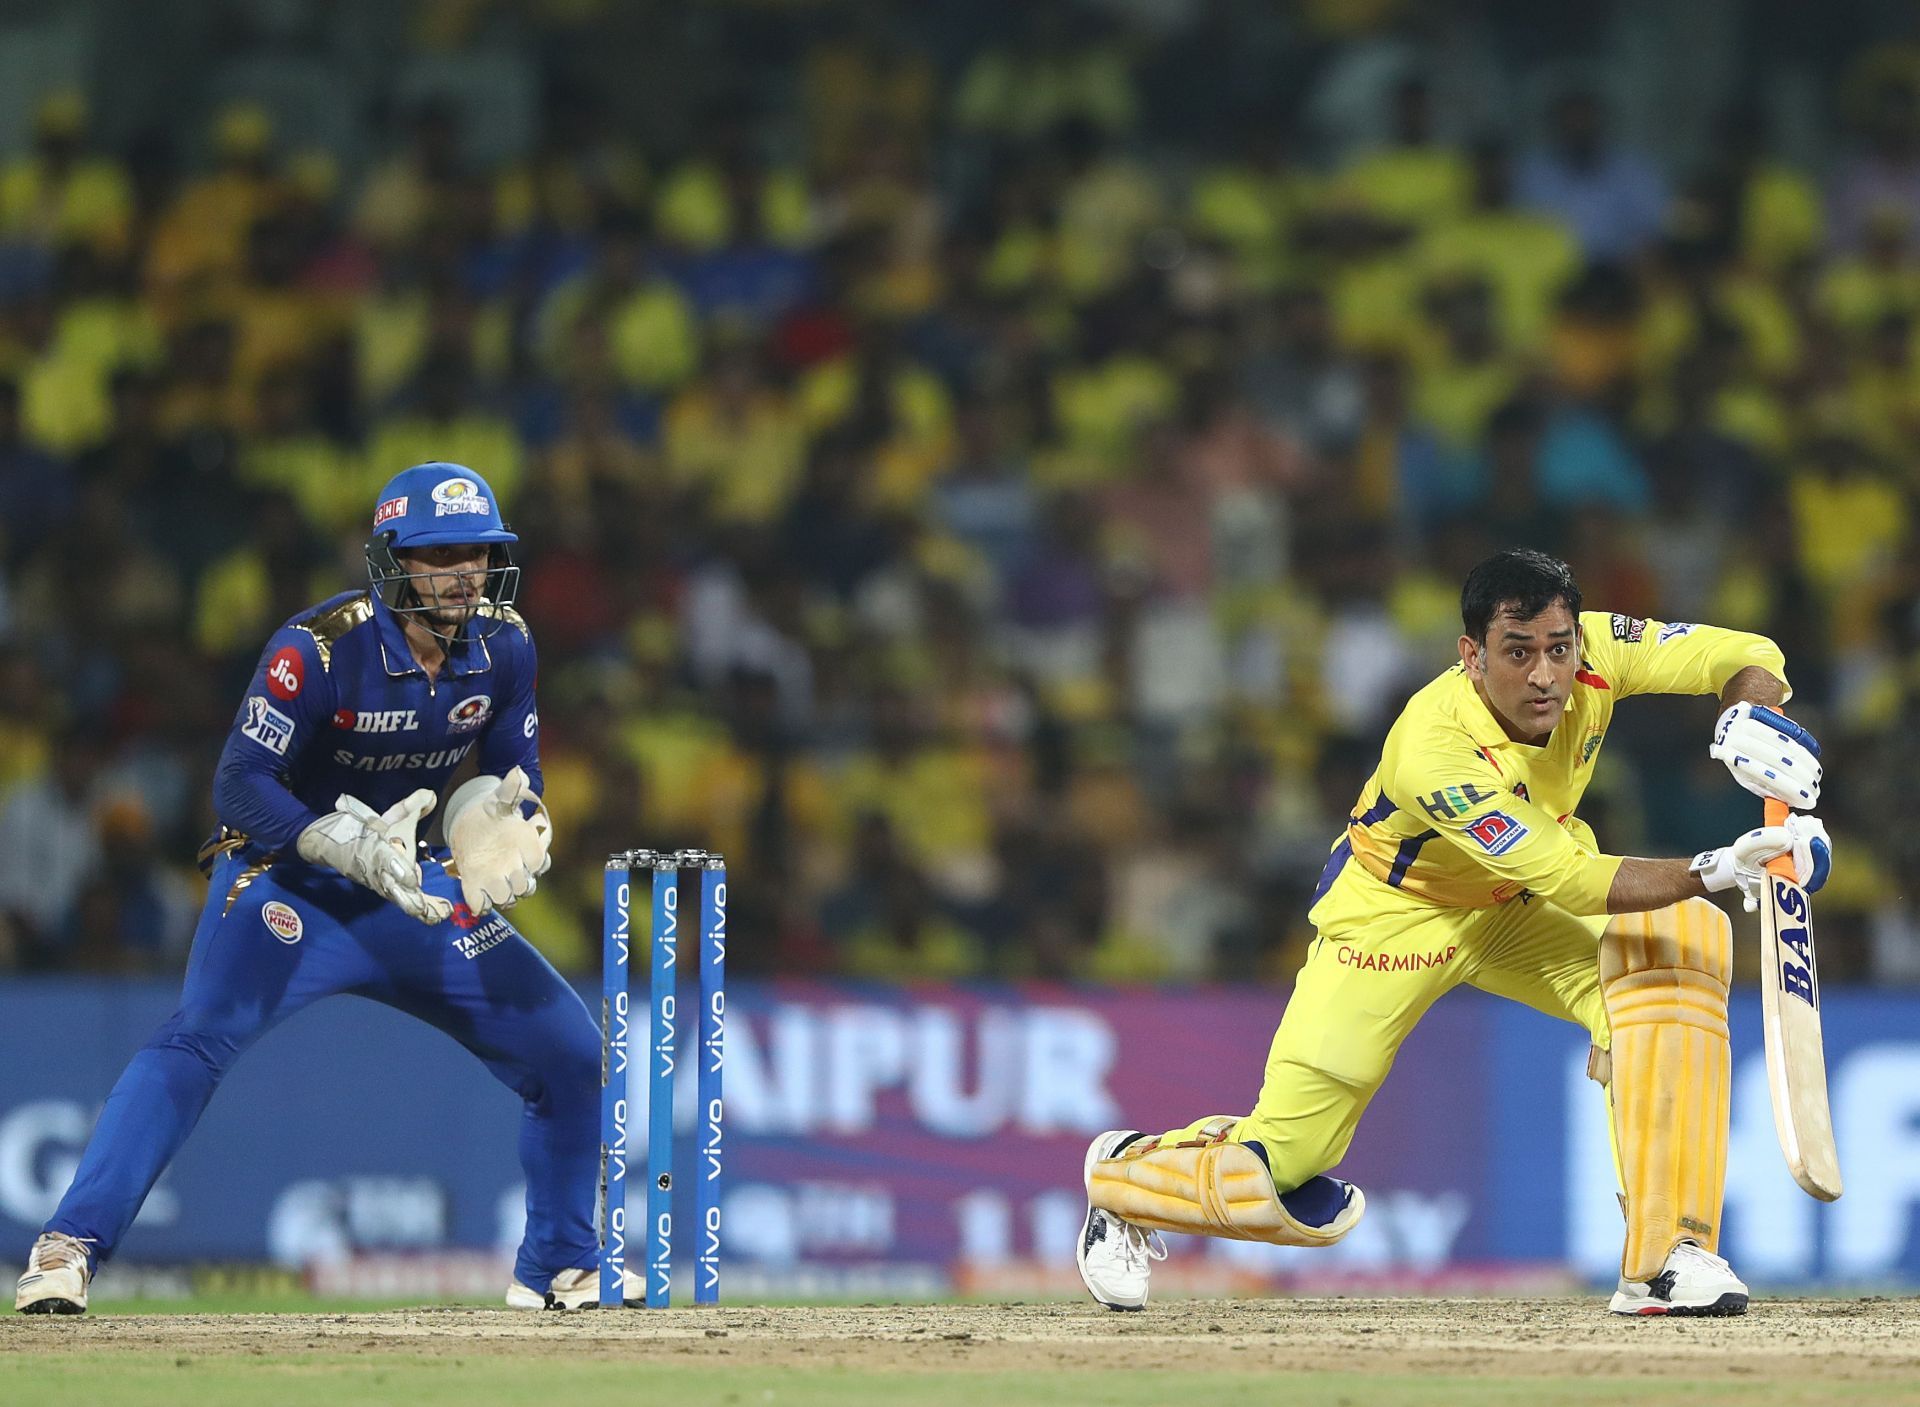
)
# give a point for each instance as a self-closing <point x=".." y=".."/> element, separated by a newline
<point x="1115" y="1257"/>
<point x="575" y="1289"/>
<point x="56" y="1278"/>
<point x="1695" y="1281"/>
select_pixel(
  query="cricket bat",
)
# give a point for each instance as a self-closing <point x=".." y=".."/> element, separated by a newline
<point x="1790" y="1005"/>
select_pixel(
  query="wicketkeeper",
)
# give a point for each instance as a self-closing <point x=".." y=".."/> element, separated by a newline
<point x="1463" y="862"/>
<point x="358" y="715"/>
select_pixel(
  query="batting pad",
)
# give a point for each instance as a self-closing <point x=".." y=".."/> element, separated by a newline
<point x="1665" y="977"/>
<point x="1210" y="1187"/>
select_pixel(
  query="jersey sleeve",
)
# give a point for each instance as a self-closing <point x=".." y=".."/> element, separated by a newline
<point x="287" y="705"/>
<point x="1639" y="656"/>
<point x="512" y="735"/>
<point x="1468" y="805"/>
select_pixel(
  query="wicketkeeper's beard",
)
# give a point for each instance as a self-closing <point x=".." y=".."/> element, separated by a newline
<point x="448" y="621"/>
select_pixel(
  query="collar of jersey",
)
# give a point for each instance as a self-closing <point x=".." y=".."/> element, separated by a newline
<point x="1477" y="718"/>
<point x="468" y="655"/>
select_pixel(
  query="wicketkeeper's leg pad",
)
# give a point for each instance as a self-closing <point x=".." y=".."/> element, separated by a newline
<point x="1210" y="1187"/>
<point x="1665" y="976"/>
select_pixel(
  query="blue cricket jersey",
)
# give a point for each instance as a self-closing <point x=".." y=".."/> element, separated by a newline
<point x="338" y="704"/>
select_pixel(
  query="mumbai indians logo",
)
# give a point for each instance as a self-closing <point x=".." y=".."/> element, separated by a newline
<point x="458" y="496"/>
<point x="1796" y="978"/>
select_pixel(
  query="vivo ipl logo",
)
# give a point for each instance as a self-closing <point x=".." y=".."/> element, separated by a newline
<point x="663" y="1253"/>
<point x="1796" y="978"/>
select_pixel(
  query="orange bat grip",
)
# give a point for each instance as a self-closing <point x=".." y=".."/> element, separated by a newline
<point x="1781" y="865"/>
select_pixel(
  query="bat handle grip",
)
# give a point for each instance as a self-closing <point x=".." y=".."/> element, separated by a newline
<point x="1781" y="865"/>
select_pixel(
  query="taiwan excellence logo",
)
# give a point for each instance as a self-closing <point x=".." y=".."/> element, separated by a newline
<point x="458" y="496"/>
<point x="469" y="714"/>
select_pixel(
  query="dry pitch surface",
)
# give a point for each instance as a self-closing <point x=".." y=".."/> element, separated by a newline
<point x="1332" y="1350"/>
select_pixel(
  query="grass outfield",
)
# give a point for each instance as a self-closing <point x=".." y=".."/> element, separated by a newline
<point x="1364" y="1353"/>
<point x="315" y="1380"/>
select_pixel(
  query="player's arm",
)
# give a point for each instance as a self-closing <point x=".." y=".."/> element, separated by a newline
<point x="1515" y="840"/>
<point x="1768" y="753"/>
<point x="287" y="705"/>
<point x="289" y="702"/>
<point x="497" y="826"/>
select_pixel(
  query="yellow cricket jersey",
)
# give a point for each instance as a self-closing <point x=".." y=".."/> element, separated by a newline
<point x="1460" y="816"/>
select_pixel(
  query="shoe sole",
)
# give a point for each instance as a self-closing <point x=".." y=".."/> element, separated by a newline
<point x="1726" y="1307"/>
<point x="51" y="1306"/>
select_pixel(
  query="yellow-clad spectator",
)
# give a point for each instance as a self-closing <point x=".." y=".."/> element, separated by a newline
<point x="1100" y="408"/>
<point x="864" y="79"/>
<point x="705" y="203"/>
<point x="1065" y="69"/>
<point x="423" y="183"/>
<point x="1526" y="255"/>
<point x="1884" y="390"/>
<point x="1462" y="371"/>
<point x="65" y="406"/>
<point x="934" y="794"/>
<point x="904" y="406"/>
<point x="288" y="454"/>
<point x="1414" y="180"/>
<point x="200" y="392"/>
<point x="650" y="328"/>
<point x="57" y="193"/>
<point x="100" y="325"/>
<point x="1105" y="207"/>
<point x="1254" y="207"/>
<point x="579" y="169"/>
<point x="446" y="423"/>
<point x="1849" y="524"/>
<point x="736" y="438"/>
<point x="278" y="321"/>
<point x="1858" y="290"/>
<point x="200" y="241"/>
<point x="908" y="939"/>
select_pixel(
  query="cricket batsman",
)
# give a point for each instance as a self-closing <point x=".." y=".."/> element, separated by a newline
<point x="1463" y="862"/>
<point x="358" y="714"/>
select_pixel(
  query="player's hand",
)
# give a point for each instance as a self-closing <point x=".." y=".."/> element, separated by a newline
<point x="498" y="852"/>
<point x="1743" y="864"/>
<point x="1769" y="754"/>
<point x="377" y="850"/>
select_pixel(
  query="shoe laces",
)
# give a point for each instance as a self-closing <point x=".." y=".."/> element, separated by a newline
<point x="1139" y="1248"/>
<point x="55" y="1250"/>
<point x="1700" y="1252"/>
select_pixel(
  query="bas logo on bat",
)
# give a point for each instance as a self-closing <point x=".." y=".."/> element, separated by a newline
<point x="1795" y="977"/>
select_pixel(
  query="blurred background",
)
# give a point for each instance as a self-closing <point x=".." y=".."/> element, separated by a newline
<point x="992" y="470"/>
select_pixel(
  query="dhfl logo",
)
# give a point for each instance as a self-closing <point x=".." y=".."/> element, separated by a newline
<point x="284" y="674"/>
<point x="1497" y="832"/>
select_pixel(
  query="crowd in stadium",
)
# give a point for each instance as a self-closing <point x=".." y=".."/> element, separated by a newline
<point x="994" y="498"/>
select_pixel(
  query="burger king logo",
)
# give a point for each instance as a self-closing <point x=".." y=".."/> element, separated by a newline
<point x="469" y="714"/>
<point x="281" y="921"/>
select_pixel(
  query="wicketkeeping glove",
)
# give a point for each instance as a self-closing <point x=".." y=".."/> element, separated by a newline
<point x="498" y="853"/>
<point x="376" y="849"/>
<point x="1769" y="754"/>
